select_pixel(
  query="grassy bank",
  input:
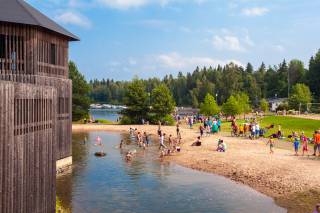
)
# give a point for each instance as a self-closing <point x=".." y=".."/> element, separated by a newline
<point x="288" y="124"/>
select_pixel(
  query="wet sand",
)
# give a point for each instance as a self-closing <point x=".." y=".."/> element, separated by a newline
<point x="294" y="182"/>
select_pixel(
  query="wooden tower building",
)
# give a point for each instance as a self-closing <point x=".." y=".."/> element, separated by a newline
<point x="35" y="107"/>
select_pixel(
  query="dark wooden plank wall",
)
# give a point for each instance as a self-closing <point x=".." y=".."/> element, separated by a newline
<point x="27" y="148"/>
<point x="45" y="68"/>
<point x="32" y="48"/>
<point x="64" y="116"/>
<point x="32" y="65"/>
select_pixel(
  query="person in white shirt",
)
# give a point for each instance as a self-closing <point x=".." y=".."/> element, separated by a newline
<point x="162" y="145"/>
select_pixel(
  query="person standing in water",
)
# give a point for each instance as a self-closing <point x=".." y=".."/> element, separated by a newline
<point x="147" y="139"/>
<point x="121" y="144"/>
<point x="162" y="145"/>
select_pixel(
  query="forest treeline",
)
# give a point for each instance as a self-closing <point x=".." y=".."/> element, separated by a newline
<point x="222" y="81"/>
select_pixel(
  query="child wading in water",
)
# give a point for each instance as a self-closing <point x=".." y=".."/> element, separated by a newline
<point x="271" y="143"/>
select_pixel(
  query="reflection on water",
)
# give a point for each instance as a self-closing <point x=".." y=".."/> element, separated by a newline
<point x="111" y="184"/>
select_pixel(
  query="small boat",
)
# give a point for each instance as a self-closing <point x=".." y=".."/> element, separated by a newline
<point x="100" y="154"/>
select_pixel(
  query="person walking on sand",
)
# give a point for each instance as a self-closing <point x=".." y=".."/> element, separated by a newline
<point x="296" y="145"/>
<point x="170" y="140"/>
<point x="201" y="130"/>
<point x="178" y="130"/>
<point x="316" y="139"/>
<point x="304" y="141"/>
<point x="271" y="144"/>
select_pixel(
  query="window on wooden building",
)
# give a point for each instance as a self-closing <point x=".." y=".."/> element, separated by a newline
<point x="2" y="46"/>
<point x="53" y="53"/>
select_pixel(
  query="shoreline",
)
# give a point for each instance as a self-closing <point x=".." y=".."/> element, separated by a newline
<point x="293" y="182"/>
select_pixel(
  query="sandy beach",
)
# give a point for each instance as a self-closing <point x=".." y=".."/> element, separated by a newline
<point x="294" y="182"/>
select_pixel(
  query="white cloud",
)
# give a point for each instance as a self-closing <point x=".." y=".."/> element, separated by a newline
<point x="185" y="29"/>
<point x="248" y="41"/>
<point x="227" y="42"/>
<point x="127" y="4"/>
<point x="176" y="61"/>
<point x="73" y="18"/>
<point x="255" y="11"/>
<point x="132" y="61"/>
<point x="278" y="48"/>
<point x="123" y="4"/>
<point x="156" y="23"/>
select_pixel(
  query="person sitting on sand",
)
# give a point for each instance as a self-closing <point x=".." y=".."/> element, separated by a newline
<point x="222" y="146"/>
<point x="271" y="143"/>
<point x="296" y="145"/>
<point x="197" y="142"/>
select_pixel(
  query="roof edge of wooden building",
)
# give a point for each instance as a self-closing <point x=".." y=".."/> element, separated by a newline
<point x="20" y="12"/>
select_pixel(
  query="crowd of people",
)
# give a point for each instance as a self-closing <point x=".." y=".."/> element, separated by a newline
<point x="211" y="125"/>
<point x="167" y="145"/>
<point x="301" y="142"/>
<point x="251" y="128"/>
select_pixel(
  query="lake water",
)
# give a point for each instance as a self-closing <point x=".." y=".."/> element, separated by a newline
<point x="106" y="114"/>
<point x="110" y="184"/>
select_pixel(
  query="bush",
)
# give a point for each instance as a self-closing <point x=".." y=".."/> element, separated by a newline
<point x="283" y="106"/>
<point x="166" y="120"/>
<point x="125" y="120"/>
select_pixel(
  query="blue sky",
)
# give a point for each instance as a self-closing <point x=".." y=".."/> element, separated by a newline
<point x="152" y="38"/>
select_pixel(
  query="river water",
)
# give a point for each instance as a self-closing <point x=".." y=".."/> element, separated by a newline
<point x="110" y="184"/>
<point x="106" y="114"/>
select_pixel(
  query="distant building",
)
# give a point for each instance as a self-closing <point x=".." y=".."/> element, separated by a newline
<point x="35" y="107"/>
<point x="186" y="111"/>
<point x="274" y="103"/>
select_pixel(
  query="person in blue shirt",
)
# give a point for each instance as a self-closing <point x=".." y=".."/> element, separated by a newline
<point x="296" y="145"/>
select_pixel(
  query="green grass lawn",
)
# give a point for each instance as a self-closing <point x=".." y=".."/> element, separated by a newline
<point x="288" y="124"/>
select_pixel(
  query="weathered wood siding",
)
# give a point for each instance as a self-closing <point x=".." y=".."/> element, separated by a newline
<point x="28" y="119"/>
<point x="28" y="59"/>
<point x="35" y="116"/>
